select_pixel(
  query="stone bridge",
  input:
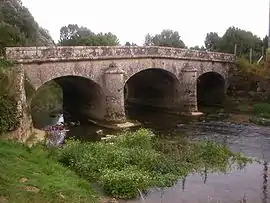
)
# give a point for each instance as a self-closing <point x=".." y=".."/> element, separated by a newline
<point x="98" y="82"/>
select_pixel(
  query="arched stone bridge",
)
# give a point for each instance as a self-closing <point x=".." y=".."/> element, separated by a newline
<point x="98" y="81"/>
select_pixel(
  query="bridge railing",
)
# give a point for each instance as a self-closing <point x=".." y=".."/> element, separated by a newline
<point x="46" y="54"/>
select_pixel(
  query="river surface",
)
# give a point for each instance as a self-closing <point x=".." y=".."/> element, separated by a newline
<point x="239" y="185"/>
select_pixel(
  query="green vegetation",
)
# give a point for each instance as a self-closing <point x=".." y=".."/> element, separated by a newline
<point x="18" y="27"/>
<point x="72" y="35"/>
<point x="167" y="38"/>
<point x="260" y="114"/>
<point x="262" y="110"/>
<point x="48" y="99"/>
<point x="8" y="120"/>
<point x="245" y="41"/>
<point x="32" y="175"/>
<point x="137" y="160"/>
<point x="253" y="70"/>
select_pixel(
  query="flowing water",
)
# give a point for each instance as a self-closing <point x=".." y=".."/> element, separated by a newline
<point x="239" y="185"/>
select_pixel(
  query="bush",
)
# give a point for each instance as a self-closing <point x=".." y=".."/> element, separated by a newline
<point x="262" y="110"/>
<point x="8" y="113"/>
<point x="135" y="161"/>
<point x="261" y="69"/>
<point x="8" y="104"/>
<point x="124" y="183"/>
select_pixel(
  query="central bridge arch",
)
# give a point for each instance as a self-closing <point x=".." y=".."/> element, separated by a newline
<point x="154" y="88"/>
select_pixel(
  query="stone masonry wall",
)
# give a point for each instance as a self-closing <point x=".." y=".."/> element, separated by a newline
<point x="46" y="54"/>
<point x="111" y="67"/>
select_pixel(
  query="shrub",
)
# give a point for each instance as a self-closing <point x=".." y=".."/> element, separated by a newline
<point x="8" y="113"/>
<point x="262" y="110"/>
<point x="124" y="183"/>
<point x="135" y="161"/>
<point x="8" y="104"/>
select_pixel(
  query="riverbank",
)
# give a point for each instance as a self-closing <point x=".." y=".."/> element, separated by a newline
<point x="241" y="110"/>
<point x="33" y="175"/>
<point x="121" y="166"/>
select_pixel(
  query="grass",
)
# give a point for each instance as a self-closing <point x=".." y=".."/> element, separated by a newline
<point x="262" y="110"/>
<point x="121" y="166"/>
<point x="137" y="161"/>
<point x="261" y="114"/>
<point x="32" y="175"/>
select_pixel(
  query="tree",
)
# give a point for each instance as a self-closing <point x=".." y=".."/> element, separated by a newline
<point x="212" y="41"/>
<point x="202" y="48"/>
<point x="19" y="28"/>
<point x="73" y="35"/>
<point x="265" y="42"/>
<point x="167" y="38"/>
<point x="73" y="32"/>
<point x="130" y="44"/>
<point x="244" y="40"/>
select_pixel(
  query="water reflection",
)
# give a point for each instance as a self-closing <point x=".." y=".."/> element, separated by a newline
<point x="248" y="184"/>
<point x="265" y="184"/>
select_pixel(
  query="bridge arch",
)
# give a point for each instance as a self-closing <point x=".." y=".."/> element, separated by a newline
<point x="82" y="98"/>
<point x="38" y="75"/>
<point x="152" y="88"/>
<point x="211" y="89"/>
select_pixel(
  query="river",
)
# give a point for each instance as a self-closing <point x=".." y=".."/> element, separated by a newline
<point x="239" y="185"/>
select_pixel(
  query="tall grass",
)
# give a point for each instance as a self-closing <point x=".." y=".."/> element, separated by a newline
<point x="262" y="110"/>
<point x="32" y="175"/>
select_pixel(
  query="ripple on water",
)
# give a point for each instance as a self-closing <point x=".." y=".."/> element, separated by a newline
<point x="240" y="185"/>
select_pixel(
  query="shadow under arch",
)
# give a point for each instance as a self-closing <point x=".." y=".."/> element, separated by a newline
<point x="211" y="89"/>
<point x="79" y="98"/>
<point x="151" y="91"/>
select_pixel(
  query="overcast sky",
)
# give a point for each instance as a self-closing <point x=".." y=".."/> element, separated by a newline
<point x="132" y="20"/>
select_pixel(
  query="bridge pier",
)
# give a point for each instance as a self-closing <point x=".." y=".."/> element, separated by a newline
<point x="115" y="102"/>
<point x="24" y="127"/>
<point x="189" y="75"/>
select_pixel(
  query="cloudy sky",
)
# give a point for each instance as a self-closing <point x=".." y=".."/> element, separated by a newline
<point x="132" y="20"/>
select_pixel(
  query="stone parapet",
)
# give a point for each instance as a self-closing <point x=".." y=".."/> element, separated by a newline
<point x="73" y="53"/>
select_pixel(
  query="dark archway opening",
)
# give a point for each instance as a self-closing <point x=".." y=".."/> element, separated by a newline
<point x="210" y="90"/>
<point x="77" y="98"/>
<point x="150" y="94"/>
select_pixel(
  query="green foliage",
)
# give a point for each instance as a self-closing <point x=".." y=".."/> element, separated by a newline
<point x="4" y="69"/>
<point x="24" y="168"/>
<point x="130" y="44"/>
<point x="18" y="27"/>
<point x="124" y="183"/>
<point x="46" y="100"/>
<point x="254" y="69"/>
<point x="138" y="139"/>
<point x="202" y="48"/>
<point x="212" y="41"/>
<point x="262" y="110"/>
<point x="245" y="41"/>
<point x="137" y="160"/>
<point x="167" y="38"/>
<point x="8" y="113"/>
<point x="8" y="104"/>
<point x="73" y="35"/>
